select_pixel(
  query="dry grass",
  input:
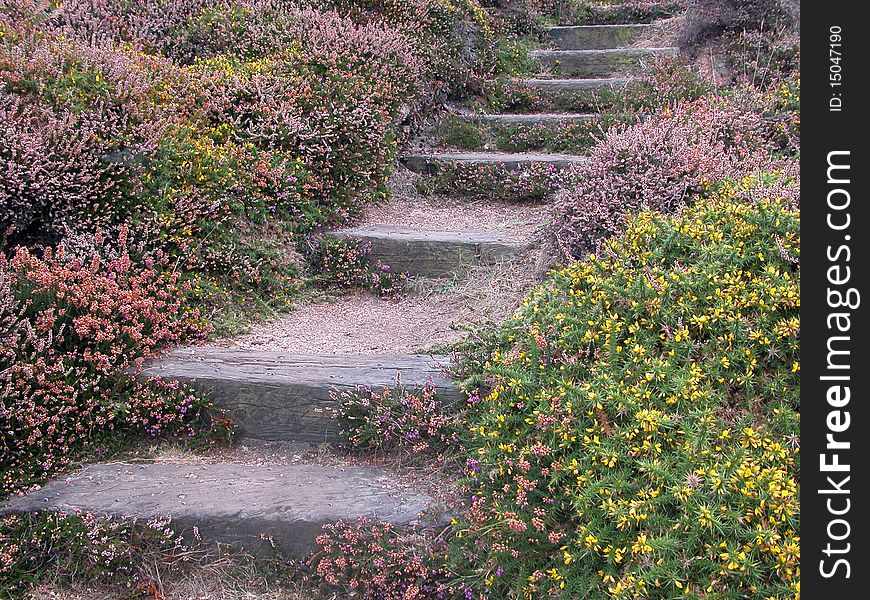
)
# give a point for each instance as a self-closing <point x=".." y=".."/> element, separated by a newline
<point x="480" y="295"/>
<point x="215" y="574"/>
<point x="666" y="32"/>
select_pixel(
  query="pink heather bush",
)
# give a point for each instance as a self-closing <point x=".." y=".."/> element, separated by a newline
<point x="371" y="560"/>
<point x="660" y="163"/>
<point x="345" y="264"/>
<point x="76" y="124"/>
<point x="393" y="419"/>
<point x="213" y="128"/>
<point x="70" y="333"/>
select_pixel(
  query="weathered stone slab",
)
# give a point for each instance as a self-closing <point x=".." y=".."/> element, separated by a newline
<point x="594" y="37"/>
<point x="577" y="85"/>
<point x="282" y="396"/>
<point x="433" y="253"/>
<point x="232" y="503"/>
<point x="597" y="63"/>
<point x="429" y="164"/>
<point x="545" y="119"/>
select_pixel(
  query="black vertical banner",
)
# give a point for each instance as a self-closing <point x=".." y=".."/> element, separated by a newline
<point x="835" y="362"/>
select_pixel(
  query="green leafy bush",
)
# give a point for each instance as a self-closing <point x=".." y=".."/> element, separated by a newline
<point x="637" y="433"/>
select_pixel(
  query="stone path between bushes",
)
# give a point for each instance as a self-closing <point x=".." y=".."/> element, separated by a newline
<point x="284" y="395"/>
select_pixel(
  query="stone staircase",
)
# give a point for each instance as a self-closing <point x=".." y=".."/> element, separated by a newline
<point x="283" y="396"/>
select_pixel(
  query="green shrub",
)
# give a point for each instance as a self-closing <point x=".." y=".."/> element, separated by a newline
<point x="637" y="434"/>
<point x="458" y="133"/>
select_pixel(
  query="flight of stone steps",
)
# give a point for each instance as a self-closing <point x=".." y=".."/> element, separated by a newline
<point x="286" y="397"/>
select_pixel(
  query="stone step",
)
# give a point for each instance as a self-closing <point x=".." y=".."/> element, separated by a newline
<point x="429" y="253"/>
<point x="597" y="63"/>
<point x="430" y="163"/>
<point x="543" y="119"/>
<point x="232" y="503"/>
<point x="287" y="397"/>
<point x="594" y="37"/>
<point x="547" y="132"/>
<point x="592" y="85"/>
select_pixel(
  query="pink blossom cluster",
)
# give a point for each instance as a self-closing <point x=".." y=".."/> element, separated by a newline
<point x="392" y="419"/>
<point x="71" y="333"/>
<point x="370" y="559"/>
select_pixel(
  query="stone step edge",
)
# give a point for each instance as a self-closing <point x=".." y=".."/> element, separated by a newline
<point x="282" y="396"/>
<point x="577" y="84"/>
<point x="429" y="164"/>
<point x="246" y="506"/>
<point x="434" y="253"/>
<point x="416" y="234"/>
<point x="521" y="118"/>
<point x="600" y="52"/>
<point x="604" y="27"/>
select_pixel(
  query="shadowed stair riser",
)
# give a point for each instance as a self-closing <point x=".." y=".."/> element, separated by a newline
<point x="288" y="397"/>
<point x="542" y="119"/>
<point x="433" y="253"/>
<point x="594" y="37"/>
<point x="231" y="503"/>
<point x="429" y="164"/>
<point x="597" y="63"/>
<point x="591" y="86"/>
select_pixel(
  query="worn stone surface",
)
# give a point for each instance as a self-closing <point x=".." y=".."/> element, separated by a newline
<point x="594" y="37"/>
<point x="429" y="164"/>
<point x="576" y="85"/>
<point x="287" y="397"/>
<point x="433" y="253"/>
<point x="597" y="63"/>
<point x="546" y="119"/>
<point x="232" y="503"/>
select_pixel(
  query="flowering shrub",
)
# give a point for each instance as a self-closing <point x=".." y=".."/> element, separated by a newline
<point x="394" y="418"/>
<point x="80" y="546"/>
<point x="371" y="559"/>
<point x="659" y="164"/>
<point x="663" y="82"/>
<point x="216" y="130"/>
<point x="77" y="123"/>
<point x="344" y="263"/>
<point x="639" y="434"/>
<point x="71" y="332"/>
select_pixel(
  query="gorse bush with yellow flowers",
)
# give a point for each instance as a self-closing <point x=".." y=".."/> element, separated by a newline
<point x="637" y="434"/>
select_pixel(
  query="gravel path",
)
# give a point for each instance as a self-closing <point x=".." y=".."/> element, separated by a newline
<point x="357" y="323"/>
